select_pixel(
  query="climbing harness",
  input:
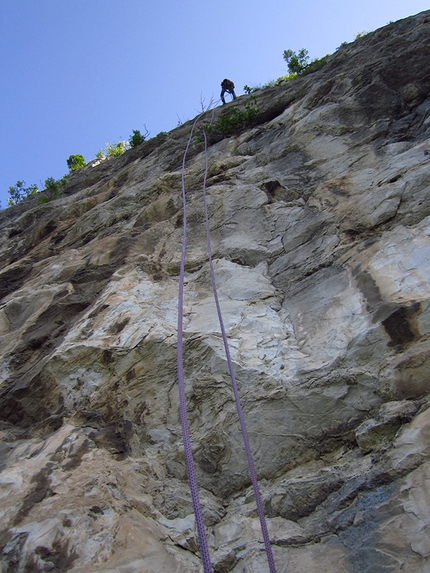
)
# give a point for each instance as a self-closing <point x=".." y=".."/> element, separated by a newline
<point x="183" y="409"/>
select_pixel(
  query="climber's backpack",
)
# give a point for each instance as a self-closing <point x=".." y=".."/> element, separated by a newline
<point x="227" y="85"/>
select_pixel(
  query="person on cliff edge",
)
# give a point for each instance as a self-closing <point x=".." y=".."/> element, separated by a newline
<point x="227" y="86"/>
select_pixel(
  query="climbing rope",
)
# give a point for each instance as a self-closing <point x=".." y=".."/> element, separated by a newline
<point x="204" y="551"/>
<point x="251" y="467"/>
<point x="187" y="446"/>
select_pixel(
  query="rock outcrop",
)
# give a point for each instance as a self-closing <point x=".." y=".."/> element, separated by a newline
<point x="320" y="221"/>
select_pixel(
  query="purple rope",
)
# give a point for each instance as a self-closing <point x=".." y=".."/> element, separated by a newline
<point x="251" y="467"/>
<point x="181" y="385"/>
<point x="204" y="551"/>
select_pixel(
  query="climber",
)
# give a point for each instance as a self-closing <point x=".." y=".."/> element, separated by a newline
<point x="227" y="86"/>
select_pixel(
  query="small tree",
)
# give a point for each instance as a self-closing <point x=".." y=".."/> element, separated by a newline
<point x="137" y="138"/>
<point x="116" y="149"/>
<point x="75" y="162"/>
<point x="19" y="192"/>
<point x="297" y="63"/>
<point x="113" y="149"/>
<point x="53" y="189"/>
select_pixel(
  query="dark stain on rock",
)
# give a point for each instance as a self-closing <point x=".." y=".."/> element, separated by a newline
<point x="351" y="233"/>
<point x="12" y="551"/>
<point x="140" y="412"/>
<point x="361" y="535"/>
<point x="33" y="227"/>
<point x="41" y="489"/>
<point x="339" y="186"/>
<point x="57" y="558"/>
<point x="28" y="399"/>
<point x="74" y="459"/>
<point x="320" y="97"/>
<point x="212" y="453"/>
<point x="14" y="232"/>
<point x="92" y="274"/>
<point x="367" y="284"/>
<point x="110" y="434"/>
<point x="378" y="96"/>
<point x="270" y="187"/>
<point x="120" y="181"/>
<point x="100" y="308"/>
<point x="88" y="419"/>
<point x="58" y="237"/>
<point x="277" y="192"/>
<point x="130" y="375"/>
<point x="107" y="356"/>
<point x="275" y="109"/>
<point x="95" y="511"/>
<point x="47" y="426"/>
<point x="171" y="208"/>
<point x="411" y="376"/>
<point x="42" y="231"/>
<point x="50" y="328"/>
<point x="397" y="320"/>
<point x="11" y="279"/>
<point x="122" y="246"/>
<point x="86" y="239"/>
<point x="114" y="437"/>
<point x="399" y="325"/>
<point x="5" y="450"/>
<point x="117" y="327"/>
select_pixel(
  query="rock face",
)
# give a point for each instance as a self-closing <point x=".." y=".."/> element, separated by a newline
<point x="320" y="221"/>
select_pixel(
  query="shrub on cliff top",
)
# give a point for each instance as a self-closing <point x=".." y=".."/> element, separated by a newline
<point x="19" y="192"/>
<point x="137" y="138"/>
<point x="113" y="149"/>
<point x="298" y="64"/>
<point x="234" y="119"/>
<point x="75" y="162"/>
<point x="53" y="189"/>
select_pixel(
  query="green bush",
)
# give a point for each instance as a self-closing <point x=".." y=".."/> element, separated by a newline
<point x="19" y="192"/>
<point x="234" y="119"/>
<point x="137" y="138"/>
<point x="75" y="162"/>
<point x="285" y="78"/>
<point x="315" y="65"/>
<point x="297" y="63"/>
<point x="116" y="149"/>
<point x="360" y="35"/>
<point x="113" y="149"/>
<point x="53" y="189"/>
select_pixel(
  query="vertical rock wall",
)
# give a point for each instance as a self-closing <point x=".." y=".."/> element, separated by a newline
<point x="320" y="222"/>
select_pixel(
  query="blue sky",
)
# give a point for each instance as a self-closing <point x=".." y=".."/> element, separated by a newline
<point x="77" y="74"/>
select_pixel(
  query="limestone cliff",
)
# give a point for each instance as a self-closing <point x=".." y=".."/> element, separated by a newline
<point x="320" y="221"/>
